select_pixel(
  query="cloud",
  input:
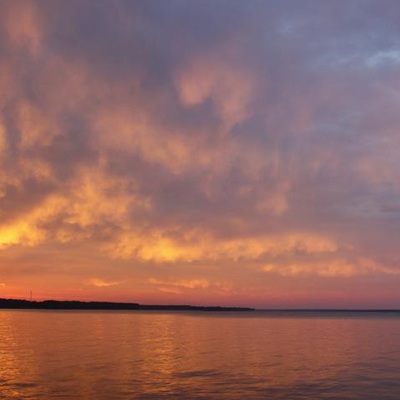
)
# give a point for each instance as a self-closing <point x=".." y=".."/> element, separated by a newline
<point x="100" y="283"/>
<point x="197" y="246"/>
<point x="198" y="285"/>
<point x="230" y="90"/>
<point x="330" y="268"/>
<point x="192" y="284"/>
<point x="230" y="139"/>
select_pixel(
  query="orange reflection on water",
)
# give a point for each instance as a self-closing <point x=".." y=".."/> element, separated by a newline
<point x="210" y="355"/>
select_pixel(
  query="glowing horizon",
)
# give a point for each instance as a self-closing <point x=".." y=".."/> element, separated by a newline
<point x="201" y="152"/>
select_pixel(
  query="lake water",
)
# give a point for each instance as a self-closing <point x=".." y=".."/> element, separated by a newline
<point x="178" y="355"/>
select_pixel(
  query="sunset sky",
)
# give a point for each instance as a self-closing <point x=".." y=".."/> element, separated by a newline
<point x="230" y="152"/>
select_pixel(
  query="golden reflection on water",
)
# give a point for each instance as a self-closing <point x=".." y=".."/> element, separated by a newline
<point x="107" y="355"/>
<point x="8" y="362"/>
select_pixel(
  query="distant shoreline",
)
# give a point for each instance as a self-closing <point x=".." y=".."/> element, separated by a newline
<point x="20" y="304"/>
<point x="104" y="305"/>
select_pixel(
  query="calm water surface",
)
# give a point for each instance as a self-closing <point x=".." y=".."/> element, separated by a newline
<point x="177" y="355"/>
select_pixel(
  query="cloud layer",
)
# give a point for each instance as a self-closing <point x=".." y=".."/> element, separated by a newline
<point x="201" y="151"/>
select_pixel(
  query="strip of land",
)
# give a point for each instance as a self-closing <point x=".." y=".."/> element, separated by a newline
<point x="101" y="305"/>
<point x="104" y="305"/>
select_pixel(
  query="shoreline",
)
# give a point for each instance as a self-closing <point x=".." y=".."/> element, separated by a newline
<point x="21" y="304"/>
<point x="105" y="305"/>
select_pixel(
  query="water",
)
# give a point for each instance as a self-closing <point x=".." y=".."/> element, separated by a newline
<point x="176" y="355"/>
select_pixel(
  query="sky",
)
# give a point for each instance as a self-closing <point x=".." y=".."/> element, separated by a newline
<point x="202" y="152"/>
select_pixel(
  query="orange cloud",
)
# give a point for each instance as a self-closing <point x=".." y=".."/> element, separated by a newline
<point x="158" y="247"/>
<point x="230" y="88"/>
<point x="23" y="26"/>
<point x="100" y="283"/>
<point x="186" y="284"/>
